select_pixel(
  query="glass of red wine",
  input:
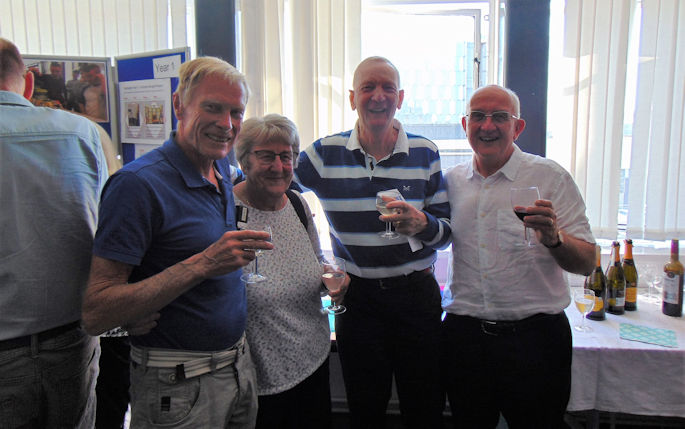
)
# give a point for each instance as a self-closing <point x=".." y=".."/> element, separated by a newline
<point x="520" y="199"/>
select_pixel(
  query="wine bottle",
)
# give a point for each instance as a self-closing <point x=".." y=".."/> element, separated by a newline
<point x="630" y="273"/>
<point x="672" y="303"/>
<point x="616" y="282"/>
<point x="598" y="283"/>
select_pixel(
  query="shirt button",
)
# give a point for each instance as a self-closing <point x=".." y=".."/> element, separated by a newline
<point x="482" y="214"/>
<point x="172" y="378"/>
<point x="482" y="246"/>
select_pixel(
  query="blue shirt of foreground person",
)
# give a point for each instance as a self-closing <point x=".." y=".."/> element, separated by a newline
<point x="53" y="169"/>
<point x="391" y="326"/>
<point x="167" y="256"/>
<point x="507" y="341"/>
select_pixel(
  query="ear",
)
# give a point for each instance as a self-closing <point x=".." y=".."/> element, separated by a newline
<point x="520" y="126"/>
<point x="354" y="107"/>
<point x="463" y="122"/>
<point x="401" y="96"/>
<point x="29" y="81"/>
<point x="178" y="107"/>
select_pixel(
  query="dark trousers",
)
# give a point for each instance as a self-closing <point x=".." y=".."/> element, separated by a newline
<point x="305" y="406"/>
<point x="113" y="382"/>
<point x="522" y="370"/>
<point x="391" y="329"/>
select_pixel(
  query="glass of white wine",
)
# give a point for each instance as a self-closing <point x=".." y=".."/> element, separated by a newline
<point x="585" y="301"/>
<point x="520" y="199"/>
<point x="254" y="276"/>
<point x="333" y="277"/>
<point x="382" y="199"/>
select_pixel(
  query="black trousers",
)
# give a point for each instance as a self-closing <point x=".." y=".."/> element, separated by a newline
<point x="305" y="406"/>
<point x="113" y="383"/>
<point x="391" y="330"/>
<point x="522" y="370"/>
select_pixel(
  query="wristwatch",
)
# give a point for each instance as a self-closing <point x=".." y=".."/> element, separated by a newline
<point x="560" y="241"/>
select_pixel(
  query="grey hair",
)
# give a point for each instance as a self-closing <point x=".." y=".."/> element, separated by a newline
<point x="512" y="95"/>
<point x="191" y="74"/>
<point x="270" y="128"/>
<point x="373" y="59"/>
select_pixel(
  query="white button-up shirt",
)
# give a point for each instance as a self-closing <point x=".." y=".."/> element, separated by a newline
<point x="491" y="278"/>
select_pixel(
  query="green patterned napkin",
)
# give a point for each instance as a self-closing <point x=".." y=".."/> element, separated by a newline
<point x="645" y="334"/>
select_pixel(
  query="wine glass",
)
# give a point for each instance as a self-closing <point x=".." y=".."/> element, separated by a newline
<point x="520" y="199"/>
<point x="653" y="274"/>
<point x="585" y="301"/>
<point x="254" y="276"/>
<point x="382" y="199"/>
<point x="333" y="277"/>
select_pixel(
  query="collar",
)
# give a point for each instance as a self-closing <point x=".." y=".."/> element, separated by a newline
<point x="193" y="179"/>
<point x="10" y="98"/>
<point x="401" y="145"/>
<point x="508" y="170"/>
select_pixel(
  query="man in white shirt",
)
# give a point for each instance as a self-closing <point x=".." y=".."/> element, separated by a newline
<point x="507" y="340"/>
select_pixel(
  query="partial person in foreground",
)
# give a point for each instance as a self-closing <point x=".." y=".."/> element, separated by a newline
<point x="53" y="169"/>
<point x="167" y="256"/>
<point x="288" y="335"/>
<point x="506" y="338"/>
<point x="392" y="323"/>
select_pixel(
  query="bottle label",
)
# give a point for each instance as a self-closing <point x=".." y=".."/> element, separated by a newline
<point x="620" y="302"/>
<point x="631" y="293"/>
<point x="671" y="285"/>
<point x="599" y="304"/>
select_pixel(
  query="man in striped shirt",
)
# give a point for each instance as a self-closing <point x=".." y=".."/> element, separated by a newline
<point x="391" y="327"/>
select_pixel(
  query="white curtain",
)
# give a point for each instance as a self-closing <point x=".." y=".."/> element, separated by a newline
<point x="299" y="56"/>
<point x="587" y="94"/>
<point x="657" y="167"/>
<point x="97" y="28"/>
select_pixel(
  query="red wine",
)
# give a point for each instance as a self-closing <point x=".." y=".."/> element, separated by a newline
<point x="520" y="215"/>
<point x="672" y="304"/>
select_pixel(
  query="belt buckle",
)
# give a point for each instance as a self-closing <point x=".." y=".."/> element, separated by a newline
<point x="486" y="324"/>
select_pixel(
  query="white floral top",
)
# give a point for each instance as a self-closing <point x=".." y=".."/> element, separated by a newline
<point x="288" y="335"/>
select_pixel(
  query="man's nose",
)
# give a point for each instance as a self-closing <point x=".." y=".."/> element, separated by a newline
<point x="378" y="95"/>
<point x="225" y="121"/>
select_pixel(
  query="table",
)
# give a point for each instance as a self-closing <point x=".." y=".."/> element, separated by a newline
<point x="622" y="376"/>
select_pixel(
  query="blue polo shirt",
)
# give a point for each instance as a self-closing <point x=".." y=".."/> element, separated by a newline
<point x="157" y="211"/>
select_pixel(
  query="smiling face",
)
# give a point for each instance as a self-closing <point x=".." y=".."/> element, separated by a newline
<point x="270" y="179"/>
<point x="492" y="142"/>
<point x="210" y="119"/>
<point x="376" y="95"/>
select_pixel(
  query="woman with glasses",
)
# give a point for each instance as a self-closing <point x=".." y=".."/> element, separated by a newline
<point x="288" y="335"/>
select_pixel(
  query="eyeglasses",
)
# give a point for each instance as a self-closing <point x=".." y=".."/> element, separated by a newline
<point x="497" y="117"/>
<point x="268" y="157"/>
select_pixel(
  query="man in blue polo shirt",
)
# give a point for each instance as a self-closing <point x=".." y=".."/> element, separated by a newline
<point x="167" y="256"/>
<point x="391" y="326"/>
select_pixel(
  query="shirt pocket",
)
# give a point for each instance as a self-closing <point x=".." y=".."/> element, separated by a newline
<point x="510" y="232"/>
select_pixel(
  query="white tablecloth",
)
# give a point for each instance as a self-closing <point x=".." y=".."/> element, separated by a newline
<point x="617" y="375"/>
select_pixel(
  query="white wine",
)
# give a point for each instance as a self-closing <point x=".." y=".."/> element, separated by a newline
<point x="630" y="273"/>
<point x="597" y="282"/>
<point x="616" y="282"/>
<point x="585" y="305"/>
<point x="384" y="210"/>
<point x="672" y="303"/>
<point x="333" y="280"/>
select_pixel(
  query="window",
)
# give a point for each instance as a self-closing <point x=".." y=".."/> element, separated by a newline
<point x="441" y="61"/>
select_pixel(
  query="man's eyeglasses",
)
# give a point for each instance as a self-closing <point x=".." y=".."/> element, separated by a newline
<point x="497" y="117"/>
<point x="268" y="157"/>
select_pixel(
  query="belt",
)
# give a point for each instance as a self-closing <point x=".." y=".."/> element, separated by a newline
<point x="505" y="327"/>
<point x="397" y="281"/>
<point x="25" y="341"/>
<point x="187" y="363"/>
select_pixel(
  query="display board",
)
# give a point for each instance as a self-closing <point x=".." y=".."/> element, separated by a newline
<point x="83" y="85"/>
<point x="145" y="84"/>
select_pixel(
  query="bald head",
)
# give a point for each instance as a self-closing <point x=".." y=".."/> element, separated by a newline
<point x="11" y="67"/>
<point x="370" y="61"/>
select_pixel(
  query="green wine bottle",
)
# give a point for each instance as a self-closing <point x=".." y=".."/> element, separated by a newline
<point x="630" y="272"/>
<point x="616" y="282"/>
<point x="598" y="283"/>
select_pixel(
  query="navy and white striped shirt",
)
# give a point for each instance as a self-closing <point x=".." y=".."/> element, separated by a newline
<point x="337" y="170"/>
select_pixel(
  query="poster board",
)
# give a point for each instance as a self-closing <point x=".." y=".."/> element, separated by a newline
<point x="145" y="84"/>
<point x="83" y="85"/>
